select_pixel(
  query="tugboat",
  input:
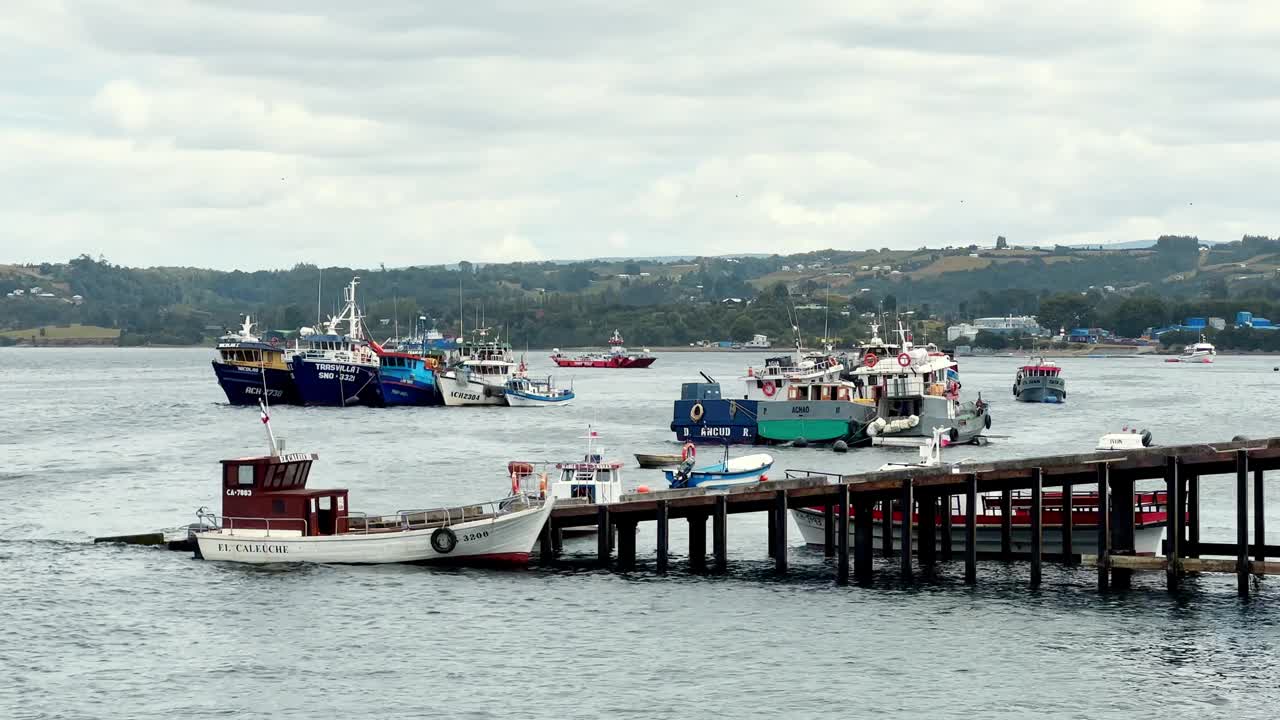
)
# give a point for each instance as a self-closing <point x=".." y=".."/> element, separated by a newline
<point x="1040" y="381"/>
<point x="617" y="357"/>
<point x="480" y="378"/>
<point x="1201" y="353"/>
<point x="269" y="515"/>
<point x="339" y="369"/>
<point x="249" y="369"/>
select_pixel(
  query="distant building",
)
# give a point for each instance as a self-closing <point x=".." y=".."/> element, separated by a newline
<point x="1001" y="325"/>
<point x="77" y="299"/>
<point x="786" y="268"/>
<point x="18" y="293"/>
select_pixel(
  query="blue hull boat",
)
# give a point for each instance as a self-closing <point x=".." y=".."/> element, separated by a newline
<point x="328" y="382"/>
<point x="246" y="385"/>
<point x="407" y="380"/>
<point x="523" y="392"/>
<point x="702" y="416"/>
<point x="744" y="470"/>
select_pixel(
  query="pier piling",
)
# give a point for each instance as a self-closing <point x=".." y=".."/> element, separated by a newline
<point x="842" y="534"/>
<point x="908" y="504"/>
<point x="1173" y="530"/>
<point x="886" y="527"/>
<point x="697" y="542"/>
<point x="971" y="530"/>
<point x="1104" y="526"/>
<point x="626" y="544"/>
<point x="780" y="531"/>
<point x="864" y="531"/>
<point x="545" y="549"/>
<point x="1122" y="530"/>
<point x="1259" y="519"/>
<point x="1192" y="547"/>
<point x="927" y="529"/>
<point x="944" y="502"/>
<point x="1006" y="524"/>
<point x="604" y="534"/>
<point x="1068" y="524"/>
<point x="720" y="534"/>
<point x="663" y="521"/>
<point x="1037" y="524"/>
<point x="773" y="531"/>
<point x="1242" y="523"/>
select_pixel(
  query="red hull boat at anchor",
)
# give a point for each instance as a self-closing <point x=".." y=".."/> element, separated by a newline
<point x="617" y="357"/>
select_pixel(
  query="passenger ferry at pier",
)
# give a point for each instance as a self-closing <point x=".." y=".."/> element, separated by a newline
<point x="617" y="357"/>
<point x="249" y="369"/>
<point x="334" y="368"/>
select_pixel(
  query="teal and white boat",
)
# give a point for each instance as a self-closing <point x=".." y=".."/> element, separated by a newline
<point x="522" y="391"/>
<point x="726" y="473"/>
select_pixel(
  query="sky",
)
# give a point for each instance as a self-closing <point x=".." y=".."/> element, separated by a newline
<point x="263" y="133"/>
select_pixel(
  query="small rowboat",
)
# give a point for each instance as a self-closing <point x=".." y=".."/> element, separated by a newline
<point x="726" y="473"/>
<point x="657" y="461"/>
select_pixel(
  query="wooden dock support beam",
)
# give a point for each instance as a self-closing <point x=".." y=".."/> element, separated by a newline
<point x="1104" y="526"/>
<point x="971" y="530"/>
<point x="1068" y="524"/>
<point x="945" y="504"/>
<point x="604" y="534"/>
<point x="864" y="530"/>
<point x="773" y="532"/>
<point x="780" y="531"/>
<point x="908" y="505"/>
<point x="720" y="534"/>
<point x="697" y="542"/>
<point x="1122" y="529"/>
<point x="1192" y="548"/>
<point x="886" y="527"/>
<point x="1173" y="518"/>
<point x="1037" y="524"/>
<point x="661" y="514"/>
<point x="1006" y="524"/>
<point x="842" y="516"/>
<point x="1242" y="523"/>
<point x="829" y="530"/>
<point x="557" y="540"/>
<point x="545" y="550"/>
<point x="927" y="529"/>
<point x="626" y="544"/>
<point x="1259" y="519"/>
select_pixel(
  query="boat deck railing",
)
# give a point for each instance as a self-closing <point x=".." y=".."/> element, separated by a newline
<point x="228" y="523"/>
<point x="421" y="519"/>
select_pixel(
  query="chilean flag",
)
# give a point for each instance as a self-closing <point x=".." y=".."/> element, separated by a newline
<point x="265" y="417"/>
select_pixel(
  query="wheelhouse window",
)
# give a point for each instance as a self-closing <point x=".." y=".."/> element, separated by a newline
<point x="244" y="475"/>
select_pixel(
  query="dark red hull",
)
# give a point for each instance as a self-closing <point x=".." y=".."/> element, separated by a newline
<point x="622" y="361"/>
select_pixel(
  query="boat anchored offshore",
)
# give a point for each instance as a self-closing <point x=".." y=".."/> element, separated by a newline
<point x="617" y="357"/>
<point x="1201" y="353"/>
<point x="335" y="368"/>
<point x="1127" y="439"/>
<point x="269" y="515"/>
<point x="249" y="369"/>
<point x="728" y="472"/>
<point x="1040" y="381"/>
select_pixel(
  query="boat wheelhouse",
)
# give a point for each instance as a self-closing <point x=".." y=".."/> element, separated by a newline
<point x="1040" y="381"/>
<point x="249" y="369"/>
<point x="524" y="391"/>
<point x="408" y="379"/>
<point x="591" y="480"/>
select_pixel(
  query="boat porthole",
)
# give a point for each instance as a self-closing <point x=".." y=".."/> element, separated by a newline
<point x="443" y="540"/>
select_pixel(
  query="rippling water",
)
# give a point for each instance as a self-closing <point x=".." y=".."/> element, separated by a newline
<point x="101" y="442"/>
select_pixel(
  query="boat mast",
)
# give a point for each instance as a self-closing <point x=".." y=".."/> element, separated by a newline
<point x="319" y="288"/>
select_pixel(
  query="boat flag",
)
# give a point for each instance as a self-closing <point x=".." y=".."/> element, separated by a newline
<point x="265" y="417"/>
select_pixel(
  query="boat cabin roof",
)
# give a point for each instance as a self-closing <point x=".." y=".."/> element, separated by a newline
<point x="1041" y="369"/>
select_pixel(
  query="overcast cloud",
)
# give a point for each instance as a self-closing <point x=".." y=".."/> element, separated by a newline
<point x="260" y="133"/>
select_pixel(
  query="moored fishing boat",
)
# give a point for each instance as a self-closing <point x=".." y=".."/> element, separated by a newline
<point x="408" y="379"/>
<point x="270" y="515"/>
<point x="1040" y="381"/>
<point x="591" y="480"/>
<point x="617" y="357"/>
<point x="480" y="376"/>
<point x="339" y="368"/>
<point x="523" y="391"/>
<point x="729" y="472"/>
<point x="249" y="369"/>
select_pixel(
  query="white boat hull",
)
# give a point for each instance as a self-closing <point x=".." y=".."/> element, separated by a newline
<point x="517" y="400"/>
<point x="503" y="539"/>
<point x="461" y="391"/>
<point x="1084" y="538"/>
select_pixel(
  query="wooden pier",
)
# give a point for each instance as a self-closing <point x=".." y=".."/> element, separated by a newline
<point x="1112" y="473"/>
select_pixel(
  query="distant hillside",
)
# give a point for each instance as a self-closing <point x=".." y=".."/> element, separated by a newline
<point x="659" y="301"/>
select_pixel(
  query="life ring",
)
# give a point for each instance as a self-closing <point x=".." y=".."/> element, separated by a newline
<point x="515" y="484"/>
<point x="695" y="412"/>
<point x="904" y="359"/>
<point x="542" y="485"/>
<point x="870" y="359"/>
<point x="689" y="450"/>
<point x="768" y="388"/>
<point x="443" y="540"/>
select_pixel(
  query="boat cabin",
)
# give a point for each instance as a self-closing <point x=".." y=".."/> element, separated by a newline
<point x="270" y="493"/>
<point x="819" y="391"/>
<point x="592" y="479"/>
<point x="1039" y="370"/>
<point x="252" y="354"/>
<point x="407" y="361"/>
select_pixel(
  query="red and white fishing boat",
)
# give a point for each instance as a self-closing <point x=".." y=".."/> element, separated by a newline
<point x="617" y="357"/>
<point x="1149" y="518"/>
<point x="269" y="515"/>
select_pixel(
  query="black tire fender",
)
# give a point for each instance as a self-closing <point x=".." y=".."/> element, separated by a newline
<point x="444" y="540"/>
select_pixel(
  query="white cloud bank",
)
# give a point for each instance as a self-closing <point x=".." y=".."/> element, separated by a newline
<point x="262" y="133"/>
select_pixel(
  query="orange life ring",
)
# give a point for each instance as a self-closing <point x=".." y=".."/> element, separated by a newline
<point x="870" y="359"/>
<point x="542" y="485"/>
<point x="515" y="484"/>
<point x="768" y="388"/>
<point x="696" y="412"/>
<point x="689" y="450"/>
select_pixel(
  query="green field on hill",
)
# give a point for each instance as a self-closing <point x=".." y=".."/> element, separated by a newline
<point x="67" y="332"/>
